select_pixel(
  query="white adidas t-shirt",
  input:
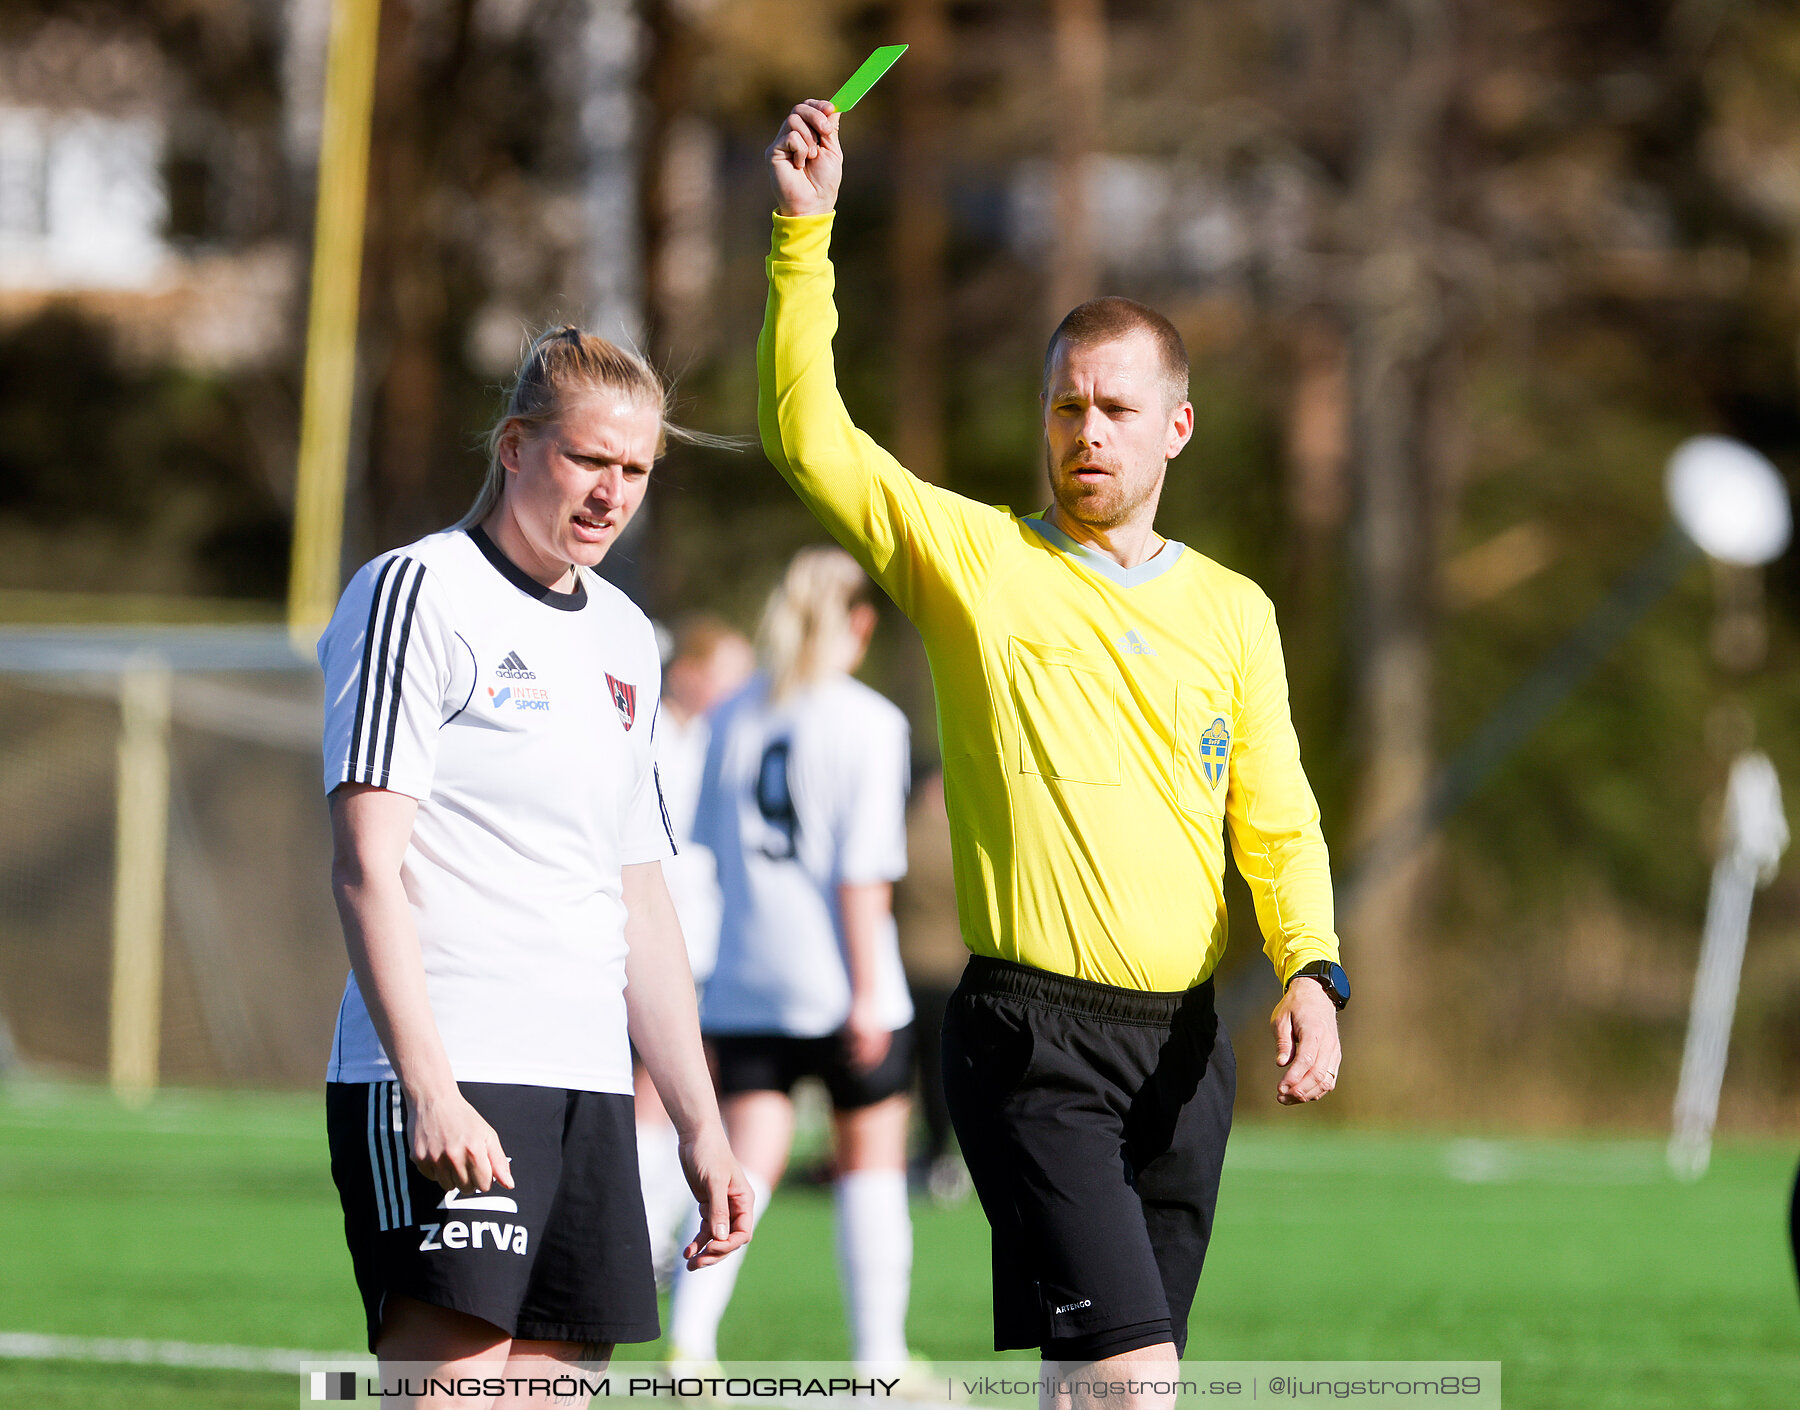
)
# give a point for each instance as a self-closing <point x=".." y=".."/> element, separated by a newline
<point x="521" y="720"/>
<point x="798" y="798"/>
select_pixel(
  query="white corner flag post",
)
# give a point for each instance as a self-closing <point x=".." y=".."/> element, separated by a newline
<point x="1734" y="505"/>
<point x="1755" y="834"/>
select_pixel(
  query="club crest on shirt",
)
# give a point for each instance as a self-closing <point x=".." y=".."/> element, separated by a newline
<point x="624" y="696"/>
<point x="1215" y="750"/>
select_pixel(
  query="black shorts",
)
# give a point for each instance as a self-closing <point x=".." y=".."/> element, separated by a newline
<point x="563" y="1256"/>
<point x="1093" y="1120"/>
<point x="773" y="1062"/>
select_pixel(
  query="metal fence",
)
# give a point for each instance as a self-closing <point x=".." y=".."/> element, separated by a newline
<point x="165" y="913"/>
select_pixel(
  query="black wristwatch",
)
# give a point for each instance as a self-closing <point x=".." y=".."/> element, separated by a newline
<point x="1331" y="977"/>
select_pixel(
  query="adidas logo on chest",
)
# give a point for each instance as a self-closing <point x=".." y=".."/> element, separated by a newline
<point x="514" y="669"/>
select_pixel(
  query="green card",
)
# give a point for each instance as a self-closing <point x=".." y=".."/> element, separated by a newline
<point x="865" y="77"/>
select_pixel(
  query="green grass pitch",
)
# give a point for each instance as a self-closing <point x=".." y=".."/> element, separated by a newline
<point x="1595" y="1279"/>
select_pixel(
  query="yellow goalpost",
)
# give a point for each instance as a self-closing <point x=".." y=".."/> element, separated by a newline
<point x="328" y="398"/>
<point x="327" y="407"/>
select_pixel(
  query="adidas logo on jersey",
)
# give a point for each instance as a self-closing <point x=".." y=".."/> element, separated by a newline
<point x="1135" y="645"/>
<point x="513" y="669"/>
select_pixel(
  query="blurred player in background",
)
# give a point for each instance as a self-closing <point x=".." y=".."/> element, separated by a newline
<point x="932" y="949"/>
<point x="1110" y="706"/>
<point x="709" y="661"/>
<point x="498" y="836"/>
<point x="804" y="803"/>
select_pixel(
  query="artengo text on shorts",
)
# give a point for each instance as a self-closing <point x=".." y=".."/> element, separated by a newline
<point x="477" y="1233"/>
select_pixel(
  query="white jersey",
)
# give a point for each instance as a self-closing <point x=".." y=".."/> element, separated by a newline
<point x="799" y="798"/>
<point x="693" y="875"/>
<point x="521" y="720"/>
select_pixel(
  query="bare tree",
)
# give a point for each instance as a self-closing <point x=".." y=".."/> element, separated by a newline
<point x="421" y="50"/>
<point x="1078" y="35"/>
<point x="921" y="235"/>
<point x="1404" y="376"/>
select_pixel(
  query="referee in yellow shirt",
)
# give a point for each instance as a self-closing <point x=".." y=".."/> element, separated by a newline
<point x="1110" y="705"/>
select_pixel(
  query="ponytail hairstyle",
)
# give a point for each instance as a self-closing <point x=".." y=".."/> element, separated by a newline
<point x="561" y="364"/>
<point x="808" y="617"/>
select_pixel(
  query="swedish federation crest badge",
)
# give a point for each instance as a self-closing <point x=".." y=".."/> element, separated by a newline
<point x="1215" y="750"/>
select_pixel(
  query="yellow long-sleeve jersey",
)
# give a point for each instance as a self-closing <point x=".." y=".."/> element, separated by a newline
<point x="1101" y="727"/>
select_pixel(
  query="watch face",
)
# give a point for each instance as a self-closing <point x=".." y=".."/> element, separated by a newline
<point x="1331" y="975"/>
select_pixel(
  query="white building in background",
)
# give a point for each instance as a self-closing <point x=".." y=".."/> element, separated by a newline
<point x="82" y="202"/>
<point x="123" y="193"/>
<point x="110" y="176"/>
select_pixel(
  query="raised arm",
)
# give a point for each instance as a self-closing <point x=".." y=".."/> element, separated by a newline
<point x="911" y="537"/>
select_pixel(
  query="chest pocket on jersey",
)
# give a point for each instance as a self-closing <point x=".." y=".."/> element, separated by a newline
<point x="1205" y="735"/>
<point x="1068" y="718"/>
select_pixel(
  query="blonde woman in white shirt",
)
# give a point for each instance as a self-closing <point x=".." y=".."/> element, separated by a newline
<point x="803" y="803"/>
<point x="499" y="833"/>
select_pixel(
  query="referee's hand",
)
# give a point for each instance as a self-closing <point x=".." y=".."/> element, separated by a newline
<point x="806" y="162"/>
<point x="1306" y="1043"/>
<point x="454" y="1145"/>
<point x="727" y="1205"/>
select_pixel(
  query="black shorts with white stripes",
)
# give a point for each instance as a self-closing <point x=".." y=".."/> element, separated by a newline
<point x="562" y="1256"/>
